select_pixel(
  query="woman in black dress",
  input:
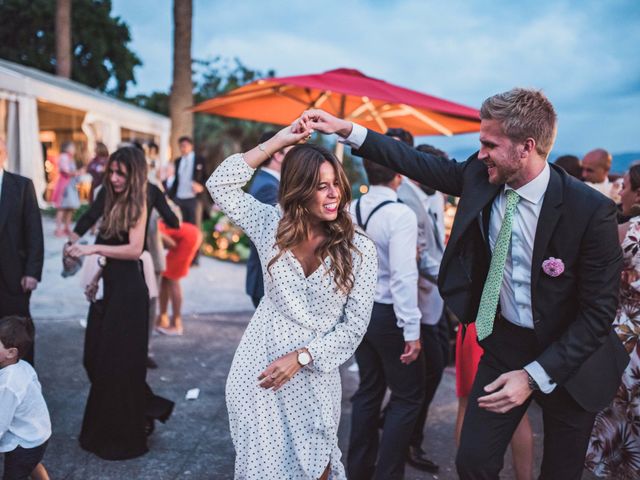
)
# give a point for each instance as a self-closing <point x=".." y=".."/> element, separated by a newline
<point x="121" y="408"/>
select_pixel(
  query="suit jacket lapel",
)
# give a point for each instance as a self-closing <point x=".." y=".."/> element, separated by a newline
<point x="470" y="206"/>
<point x="549" y="216"/>
<point x="6" y="199"/>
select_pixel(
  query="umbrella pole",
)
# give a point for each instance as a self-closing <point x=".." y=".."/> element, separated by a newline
<point x="339" y="150"/>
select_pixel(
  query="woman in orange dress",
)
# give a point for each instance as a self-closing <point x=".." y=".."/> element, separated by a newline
<point x="183" y="243"/>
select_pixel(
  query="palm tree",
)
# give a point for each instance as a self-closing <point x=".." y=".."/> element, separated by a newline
<point x="181" y="96"/>
<point x="63" y="38"/>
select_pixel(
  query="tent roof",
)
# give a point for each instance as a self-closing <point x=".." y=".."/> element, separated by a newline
<point x="19" y="79"/>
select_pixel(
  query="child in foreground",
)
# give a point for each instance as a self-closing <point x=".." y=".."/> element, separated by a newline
<point x="25" y="426"/>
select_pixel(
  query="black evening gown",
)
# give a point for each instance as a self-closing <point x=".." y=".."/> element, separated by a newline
<point x="120" y="403"/>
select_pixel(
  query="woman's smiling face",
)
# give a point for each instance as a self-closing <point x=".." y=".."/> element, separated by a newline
<point x="326" y="201"/>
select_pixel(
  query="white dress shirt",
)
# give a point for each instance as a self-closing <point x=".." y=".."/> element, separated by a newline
<point x="1" y="180"/>
<point x="394" y="230"/>
<point x="272" y="172"/>
<point x="185" y="177"/>
<point x="515" y="294"/>
<point x="24" y="418"/>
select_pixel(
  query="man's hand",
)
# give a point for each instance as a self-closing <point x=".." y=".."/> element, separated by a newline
<point x="28" y="284"/>
<point x="280" y="371"/>
<point x="411" y="352"/>
<point x="510" y="390"/>
<point x="197" y="188"/>
<point x="323" y="122"/>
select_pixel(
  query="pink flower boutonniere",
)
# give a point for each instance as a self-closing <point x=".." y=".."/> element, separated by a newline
<point x="553" y="267"/>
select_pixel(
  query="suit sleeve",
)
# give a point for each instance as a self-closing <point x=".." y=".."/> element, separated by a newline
<point x="33" y="234"/>
<point x="436" y="172"/>
<point x="163" y="208"/>
<point x="91" y="216"/>
<point x="598" y="288"/>
<point x="267" y="194"/>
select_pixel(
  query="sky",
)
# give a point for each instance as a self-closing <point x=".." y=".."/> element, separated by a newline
<point x="582" y="54"/>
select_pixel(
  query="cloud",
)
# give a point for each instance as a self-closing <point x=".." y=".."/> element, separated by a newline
<point x="582" y="54"/>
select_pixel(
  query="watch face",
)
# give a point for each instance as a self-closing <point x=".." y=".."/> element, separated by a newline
<point x="304" y="358"/>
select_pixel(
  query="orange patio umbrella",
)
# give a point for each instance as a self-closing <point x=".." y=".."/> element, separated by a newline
<point x="347" y="94"/>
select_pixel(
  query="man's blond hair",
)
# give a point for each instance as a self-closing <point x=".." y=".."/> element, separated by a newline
<point x="523" y="113"/>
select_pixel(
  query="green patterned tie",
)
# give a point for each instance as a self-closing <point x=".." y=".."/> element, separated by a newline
<point x="493" y="283"/>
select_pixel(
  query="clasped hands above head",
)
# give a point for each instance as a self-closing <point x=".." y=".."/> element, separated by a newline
<point x="318" y="120"/>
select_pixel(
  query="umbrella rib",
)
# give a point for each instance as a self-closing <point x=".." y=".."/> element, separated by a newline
<point x="320" y="99"/>
<point x="426" y="119"/>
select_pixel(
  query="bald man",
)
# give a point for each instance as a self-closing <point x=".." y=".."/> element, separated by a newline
<point x="21" y="242"/>
<point x="595" y="172"/>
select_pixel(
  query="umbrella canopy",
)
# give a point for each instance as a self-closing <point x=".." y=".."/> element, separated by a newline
<point x="348" y="94"/>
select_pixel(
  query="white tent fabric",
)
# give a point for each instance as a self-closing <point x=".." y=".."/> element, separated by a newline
<point x="23" y="87"/>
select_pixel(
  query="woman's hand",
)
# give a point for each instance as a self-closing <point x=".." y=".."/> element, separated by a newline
<point x="76" y="250"/>
<point x="288" y="136"/>
<point x="280" y="371"/>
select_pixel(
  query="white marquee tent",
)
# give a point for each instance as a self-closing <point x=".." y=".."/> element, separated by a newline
<point x="25" y="93"/>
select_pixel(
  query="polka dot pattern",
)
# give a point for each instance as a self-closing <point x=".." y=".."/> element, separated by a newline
<point x="291" y="433"/>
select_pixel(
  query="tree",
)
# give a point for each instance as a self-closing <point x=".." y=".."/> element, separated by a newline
<point x="99" y="42"/>
<point x="181" y="96"/>
<point x="63" y="38"/>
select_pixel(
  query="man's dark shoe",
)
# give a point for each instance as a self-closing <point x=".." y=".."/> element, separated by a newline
<point x="417" y="459"/>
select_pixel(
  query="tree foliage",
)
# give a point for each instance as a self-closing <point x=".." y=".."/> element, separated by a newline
<point x="99" y="42"/>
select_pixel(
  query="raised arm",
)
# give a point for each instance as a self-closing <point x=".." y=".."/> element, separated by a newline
<point x="226" y="182"/>
<point x="436" y="172"/>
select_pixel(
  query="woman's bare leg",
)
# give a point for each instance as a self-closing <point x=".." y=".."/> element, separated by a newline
<point x="462" y="408"/>
<point x="325" y="475"/>
<point x="59" y="222"/>
<point x="68" y="215"/>
<point x="39" y="473"/>
<point x="163" y="318"/>
<point x="176" y="304"/>
<point x="522" y="450"/>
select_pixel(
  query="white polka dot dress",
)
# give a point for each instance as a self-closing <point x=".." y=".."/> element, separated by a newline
<point x="291" y="433"/>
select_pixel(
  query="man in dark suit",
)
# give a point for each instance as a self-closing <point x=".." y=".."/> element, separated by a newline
<point x="534" y="259"/>
<point x="264" y="187"/>
<point x="21" y="243"/>
<point x="188" y="183"/>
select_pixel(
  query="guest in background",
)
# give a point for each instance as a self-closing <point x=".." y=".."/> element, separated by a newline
<point x="614" y="450"/>
<point x="154" y="163"/>
<point x="121" y="408"/>
<point x="571" y="164"/>
<point x="25" y="426"/>
<point x="264" y="187"/>
<point x="65" y="195"/>
<point x="389" y="355"/>
<point x="183" y="243"/>
<point x="21" y="243"/>
<point x="188" y="184"/>
<point x="595" y="172"/>
<point x="97" y="168"/>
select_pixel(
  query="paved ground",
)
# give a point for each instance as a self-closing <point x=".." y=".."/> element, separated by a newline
<point x="195" y="442"/>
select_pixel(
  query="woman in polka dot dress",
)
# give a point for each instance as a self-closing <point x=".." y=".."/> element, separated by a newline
<point x="283" y="391"/>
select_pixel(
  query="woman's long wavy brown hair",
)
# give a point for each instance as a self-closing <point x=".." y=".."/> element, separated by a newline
<point x="123" y="210"/>
<point x="300" y="177"/>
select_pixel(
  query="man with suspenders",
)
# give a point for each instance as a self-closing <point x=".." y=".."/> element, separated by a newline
<point x="388" y="353"/>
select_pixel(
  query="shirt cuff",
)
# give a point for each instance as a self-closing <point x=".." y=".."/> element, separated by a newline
<point x="357" y="136"/>
<point x="411" y="332"/>
<point x="540" y="376"/>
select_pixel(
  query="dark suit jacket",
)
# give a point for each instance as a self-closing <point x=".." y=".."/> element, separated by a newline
<point x="265" y="189"/>
<point x="198" y="174"/>
<point x="21" y="241"/>
<point x="572" y="313"/>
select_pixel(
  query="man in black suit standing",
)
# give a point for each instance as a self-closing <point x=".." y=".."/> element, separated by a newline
<point x="21" y="243"/>
<point x="264" y="188"/>
<point x="188" y="183"/>
<point x="534" y="260"/>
